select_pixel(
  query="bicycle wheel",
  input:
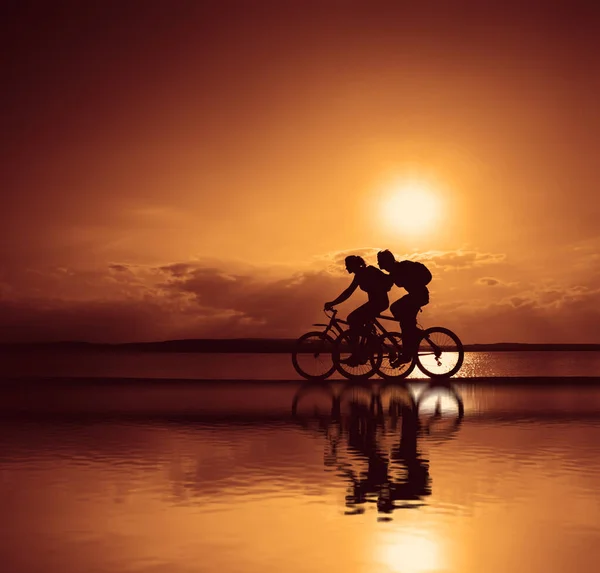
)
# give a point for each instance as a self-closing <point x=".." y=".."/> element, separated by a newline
<point x="396" y="397"/>
<point x="441" y="410"/>
<point x="312" y="356"/>
<point x="392" y="348"/>
<point x="342" y="351"/>
<point x="314" y="402"/>
<point x="357" y="397"/>
<point x="440" y="354"/>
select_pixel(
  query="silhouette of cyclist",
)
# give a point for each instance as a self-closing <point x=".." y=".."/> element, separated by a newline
<point x="376" y="284"/>
<point x="413" y="277"/>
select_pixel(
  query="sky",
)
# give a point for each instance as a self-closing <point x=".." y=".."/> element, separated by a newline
<point x="200" y="169"/>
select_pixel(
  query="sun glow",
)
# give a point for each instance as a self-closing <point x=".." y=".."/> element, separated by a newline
<point x="410" y="207"/>
<point x="409" y="553"/>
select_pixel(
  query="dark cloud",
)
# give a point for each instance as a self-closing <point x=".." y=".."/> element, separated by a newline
<point x="519" y="301"/>
<point x="195" y="299"/>
<point x="133" y="302"/>
<point x="278" y="306"/>
<point x="177" y="269"/>
<point x="544" y="315"/>
<point x="488" y="281"/>
<point x="91" y="321"/>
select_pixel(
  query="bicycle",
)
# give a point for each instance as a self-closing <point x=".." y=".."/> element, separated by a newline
<point x="318" y="354"/>
<point x="439" y="354"/>
<point x="312" y="354"/>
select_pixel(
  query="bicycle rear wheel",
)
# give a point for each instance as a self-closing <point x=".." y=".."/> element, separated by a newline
<point x="312" y="356"/>
<point x="440" y="353"/>
<point x="392" y="348"/>
<point x="371" y="362"/>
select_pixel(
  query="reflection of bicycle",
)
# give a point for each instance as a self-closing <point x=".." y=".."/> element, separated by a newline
<point x="438" y="407"/>
<point x="371" y="436"/>
<point x="441" y="410"/>
<point x="317" y="355"/>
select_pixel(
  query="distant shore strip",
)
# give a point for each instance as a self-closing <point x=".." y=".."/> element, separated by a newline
<point x="254" y="346"/>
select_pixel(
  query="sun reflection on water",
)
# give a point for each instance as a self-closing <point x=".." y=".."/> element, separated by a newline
<point x="409" y="552"/>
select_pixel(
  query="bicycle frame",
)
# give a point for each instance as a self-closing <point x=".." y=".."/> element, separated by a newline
<point x="334" y="323"/>
<point x="380" y="326"/>
<point x="335" y="327"/>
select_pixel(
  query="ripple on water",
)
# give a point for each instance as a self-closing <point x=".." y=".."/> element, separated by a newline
<point x="262" y="497"/>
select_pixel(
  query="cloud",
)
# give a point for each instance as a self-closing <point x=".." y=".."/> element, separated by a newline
<point x="462" y="259"/>
<point x="208" y="298"/>
<point x="569" y="314"/>
<point x="441" y="261"/>
<point x="276" y="305"/>
<point x="500" y="283"/>
<point x="185" y="299"/>
<point x="333" y="262"/>
<point x="92" y="321"/>
<point x="488" y="281"/>
<point x="177" y="269"/>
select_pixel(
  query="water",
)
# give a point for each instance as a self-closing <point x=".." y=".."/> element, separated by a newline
<point x="270" y="366"/>
<point x="268" y="476"/>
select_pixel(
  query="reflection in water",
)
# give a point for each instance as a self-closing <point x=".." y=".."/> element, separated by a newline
<point x="181" y="477"/>
<point x="380" y="427"/>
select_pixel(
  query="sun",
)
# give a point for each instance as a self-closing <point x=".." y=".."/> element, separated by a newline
<point x="410" y="207"/>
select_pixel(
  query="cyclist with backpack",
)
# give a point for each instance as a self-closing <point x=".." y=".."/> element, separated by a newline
<point x="377" y="285"/>
<point x="414" y="277"/>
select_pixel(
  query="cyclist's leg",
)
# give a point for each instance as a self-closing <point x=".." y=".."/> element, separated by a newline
<point x="355" y="324"/>
<point x="416" y="300"/>
<point x="370" y="310"/>
<point x="405" y="311"/>
<point x="357" y="320"/>
<point x="421" y="299"/>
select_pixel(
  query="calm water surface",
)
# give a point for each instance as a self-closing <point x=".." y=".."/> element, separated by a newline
<point x="268" y="477"/>
<point x="270" y="366"/>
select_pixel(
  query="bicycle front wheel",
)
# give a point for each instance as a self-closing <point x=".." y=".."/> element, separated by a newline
<point x="391" y="349"/>
<point x="370" y="358"/>
<point x="440" y="353"/>
<point x="312" y="356"/>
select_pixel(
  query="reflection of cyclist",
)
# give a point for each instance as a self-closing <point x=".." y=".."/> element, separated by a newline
<point x="414" y="277"/>
<point x="405" y="459"/>
<point x="400" y="476"/>
<point x="376" y="284"/>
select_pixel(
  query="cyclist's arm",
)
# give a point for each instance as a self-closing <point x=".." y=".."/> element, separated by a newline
<point x="397" y="279"/>
<point x="345" y="295"/>
<point x="389" y="278"/>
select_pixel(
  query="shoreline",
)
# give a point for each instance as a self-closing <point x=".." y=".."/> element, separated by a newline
<point x="254" y="346"/>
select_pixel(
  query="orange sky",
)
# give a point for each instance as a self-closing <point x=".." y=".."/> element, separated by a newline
<point x="198" y="170"/>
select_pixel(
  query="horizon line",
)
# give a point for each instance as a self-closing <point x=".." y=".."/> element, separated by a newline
<point x="265" y="340"/>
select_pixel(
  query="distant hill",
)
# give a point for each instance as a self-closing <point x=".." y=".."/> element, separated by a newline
<point x="252" y="345"/>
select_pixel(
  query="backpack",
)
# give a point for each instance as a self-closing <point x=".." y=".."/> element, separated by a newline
<point x="413" y="274"/>
<point x="376" y="280"/>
